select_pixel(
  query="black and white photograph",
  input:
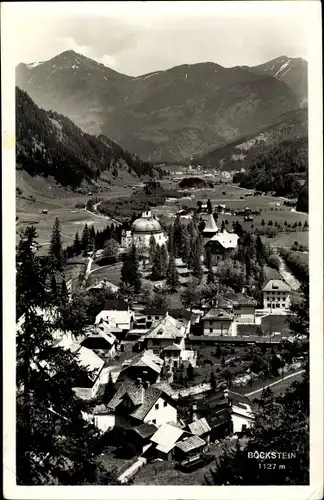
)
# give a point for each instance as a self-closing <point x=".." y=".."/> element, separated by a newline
<point x="165" y="253"/>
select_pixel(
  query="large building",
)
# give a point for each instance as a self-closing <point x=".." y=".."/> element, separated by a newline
<point x="141" y="232"/>
<point x="276" y="295"/>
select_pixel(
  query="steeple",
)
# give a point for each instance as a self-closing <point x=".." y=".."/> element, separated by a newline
<point x="211" y="226"/>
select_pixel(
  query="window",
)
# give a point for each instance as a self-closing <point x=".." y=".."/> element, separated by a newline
<point x="269" y="304"/>
<point x="210" y="330"/>
<point x="149" y="317"/>
<point x="210" y="322"/>
<point x="157" y="406"/>
<point x="277" y="305"/>
<point x="243" y="427"/>
<point x="165" y="404"/>
<point x="156" y="317"/>
<point x="156" y="351"/>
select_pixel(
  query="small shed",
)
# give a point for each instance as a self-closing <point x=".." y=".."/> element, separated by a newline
<point x="189" y="447"/>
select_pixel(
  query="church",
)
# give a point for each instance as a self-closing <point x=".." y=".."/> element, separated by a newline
<point x="220" y="243"/>
<point x="141" y="232"/>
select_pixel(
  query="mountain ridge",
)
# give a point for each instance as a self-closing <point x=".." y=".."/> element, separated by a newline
<point x="169" y="114"/>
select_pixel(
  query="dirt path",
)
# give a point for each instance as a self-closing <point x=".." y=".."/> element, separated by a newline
<point x="291" y="375"/>
<point x="286" y="274"/>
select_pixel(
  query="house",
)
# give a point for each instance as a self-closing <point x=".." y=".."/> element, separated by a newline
<point x="143" y="365"/>
<point x="217" y="322"/>
<point x="100" y="284"/>
<point x="189" y="447"/>
<point x="276" y="295"/>
<point x="173" y="356"/>
<point x="165" y="439"/>
<point x="200" y="427"/>
<point x="140" y="436"/>
<point x="139" y="402"/>
<point x="226" y="413"/>
<point x="116" y="312"/>
<point x="88" y="381"/>
<point x="241" y="306"/>
<point x="221" y="246"/>
<point x="100" y="340"/>
<point x="148" y="316"/>
<point x="164" y="333"/>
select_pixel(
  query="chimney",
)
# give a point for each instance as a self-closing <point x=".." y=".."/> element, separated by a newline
<point x="226" y="393"/>
<point x="194" y="413"/>
<point x="146" y="384"/>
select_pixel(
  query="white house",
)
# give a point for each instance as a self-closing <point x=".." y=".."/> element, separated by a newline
<point x="218" y="322"/>
<point x="99" y="339"/>
<point x="165" y="332"/>
<point x="116" y="313"/>
<point x="138" y="403"/>
<point x="276" y="295"/>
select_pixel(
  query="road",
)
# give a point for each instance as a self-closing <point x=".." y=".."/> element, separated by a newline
<point x="281" y="384"/>
<point x="286" y="274"/>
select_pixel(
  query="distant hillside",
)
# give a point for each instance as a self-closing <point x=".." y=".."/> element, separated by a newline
<point x="166" y="115"/>
<point x="282" y="169"/>
<point x="240" y="153"/>
<point x="50" y="145"/>
<point x="292" y="71"/>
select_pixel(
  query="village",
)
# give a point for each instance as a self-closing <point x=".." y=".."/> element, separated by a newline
<point x="174" y="362"/>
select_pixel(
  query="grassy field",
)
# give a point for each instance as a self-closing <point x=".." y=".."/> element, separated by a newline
<point x="110" y="273"/>
<point x="288" y="239"/>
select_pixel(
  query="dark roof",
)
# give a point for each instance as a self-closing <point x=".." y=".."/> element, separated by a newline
<point x="191" y="443"/>
<point x="247" y="329"/>
<point x="115" y="305"/>
<point x="152" y="311"/>
<point x="235" y="340"/>
<point x="235" y="300"/>
<point x="145" y="430"/>
<point x="96" y="343"/>
<point x="151" y="396"/>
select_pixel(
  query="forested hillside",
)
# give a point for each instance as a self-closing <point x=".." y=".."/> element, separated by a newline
<point x="282" y="169"/>
<point x="49" y="144"/>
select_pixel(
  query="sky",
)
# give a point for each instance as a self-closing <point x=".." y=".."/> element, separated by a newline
<point x="139" y="37"/>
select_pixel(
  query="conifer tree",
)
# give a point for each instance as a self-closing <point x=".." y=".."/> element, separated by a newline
<point x="152" y="249"/>
<point x="209" y="206"/>
<point x="164" y="260"/>
<point x="223" y="227"/>
<point x="173" y="281"/>
<point x="157" y="267"/>
<point x="77" y="244"/>
<point x="56" y="248"/>
<point x="55" y="446"/>
<point x="85" y="239"/>
<point x="130" y="274"/>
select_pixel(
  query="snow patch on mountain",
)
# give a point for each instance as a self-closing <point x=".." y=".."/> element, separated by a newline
<point x="34" y="64"/>
<point x="282" y="67"/>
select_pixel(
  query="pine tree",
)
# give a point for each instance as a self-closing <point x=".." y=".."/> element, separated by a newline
<point x="130" y="274"/>
<point x="77" y="244"/>
<point x="157" y="267"/>
<point x="209" y="206"/>
<point x="212" y="380"/>
<point x="56" y="248"/>
<point x="164" y="260"/>
<point x="85" y="239"/>
<point x="152" y="249"/>
<point x="55" y="446"/>
<point x="178" y="237"/>
<point x="195" y="259"/>
<point x="64" y="291"/>
<point x="173" y="281"/>
<point x="223" y="227"/>
<point x="109" y="390"/>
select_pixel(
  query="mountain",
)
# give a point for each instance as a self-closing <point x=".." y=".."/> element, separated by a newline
<point x="50" y="145"/>
<point x="161" y="116"/>
<point x="282" y="169"/>
<point x="239" y="154"/>
<point x="292" y="71"/>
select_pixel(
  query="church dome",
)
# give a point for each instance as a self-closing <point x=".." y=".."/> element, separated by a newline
<point x="146" y="225"/>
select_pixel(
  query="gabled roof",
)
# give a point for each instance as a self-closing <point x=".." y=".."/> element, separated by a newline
<point x="151" y="396"/>
<point x="190" y="444"/>
<point x="130" y="388"/>
<point x="199" y="427"/>
<point x="247" y="329"/>
<point x="166" y="328"/>
<point x="145" y="359"/>
<point x="211" y="226"/>
<point x="219" y="314"/>
<point x="166" y="437"/>
<point x="276" y="285"/>
<point x="172" y="347"/>
<point x="152" y="311"/>
<point x="225" y="239"/>
<point x="237" y="299"/>
<point x="145" y="430"/>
